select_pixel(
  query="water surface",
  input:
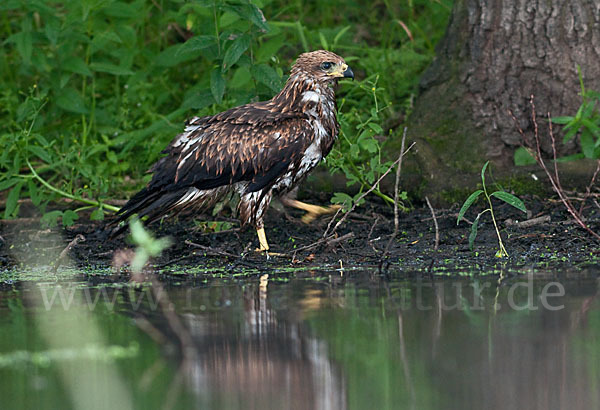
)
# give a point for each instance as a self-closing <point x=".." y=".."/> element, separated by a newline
<point x="322" y="340"/>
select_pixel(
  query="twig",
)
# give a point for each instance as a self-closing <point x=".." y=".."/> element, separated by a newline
<point x="529" y="222"/>
<point x="554" y="179"/>
<point x="588" y="190"/>
<point x="63" y="254"/>
<point x="396" y="190"/>
<point x="343" y="218"/>
<point x="209" y="250"/>
<point x="435" y="223"/>
<point x="330" y="240"/>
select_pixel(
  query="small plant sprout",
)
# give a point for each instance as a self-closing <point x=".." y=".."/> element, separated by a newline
<point x="502" y="195"/>
<point x="148" y="246"/>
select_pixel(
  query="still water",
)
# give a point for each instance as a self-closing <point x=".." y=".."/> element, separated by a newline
<point x="350" y="340"/>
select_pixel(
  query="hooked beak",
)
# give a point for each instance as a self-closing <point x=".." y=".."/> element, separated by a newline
<point x="344" y="71"/>
<point x="348" y="73"/>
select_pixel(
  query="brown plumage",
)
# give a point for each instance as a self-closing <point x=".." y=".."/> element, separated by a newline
<point x="258" y="149"/>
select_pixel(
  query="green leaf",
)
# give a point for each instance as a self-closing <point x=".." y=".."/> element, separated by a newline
<point x="568" y="158"/>
<point x="473" y="233"/>
<point x="197" y="43"/>
<point x="376" y="127"/>
<point x="172" y="56"/>
<point x="97" y="215"/>
<point x="510" y="199"/>
<point x="76" y="65"/>
<point x="483" y="172"/>
<point x="69" y="217"/>
<point x="343" y="199"/>
<point x="70" y="100"/>
<point x="8" y="183"/>
<point x="24" y="44"/>
<point x="103" y="67"/>
<point x="217" y="85"/>
<point x="50" y="219"/>
<point x="34" y="192"/>
<point x="266" y="75"/>
<point x="523" y="157"/>
<point x="235" y="51"/>
<point x="121" y="10"/>
<point x="40" y="153"/>
<point x="562" y="120"/>
<point x="12" y="199"/>
<point x="587" y="144"/>
<point x="468" y="204"/>
<point x="249" y="12"/>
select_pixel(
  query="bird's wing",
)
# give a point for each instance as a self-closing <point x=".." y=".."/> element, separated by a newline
<point x="248" y="143"/>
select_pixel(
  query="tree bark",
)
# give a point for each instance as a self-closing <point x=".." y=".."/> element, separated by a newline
<point x="493" y="57"/>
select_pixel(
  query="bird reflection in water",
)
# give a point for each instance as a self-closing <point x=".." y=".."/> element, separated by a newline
<point x="251" y="356"/>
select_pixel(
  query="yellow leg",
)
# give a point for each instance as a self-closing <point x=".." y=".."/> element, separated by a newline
<point x="312" y="211"/>
<point x="262" y="240"/>
<point x="264" y="245"/>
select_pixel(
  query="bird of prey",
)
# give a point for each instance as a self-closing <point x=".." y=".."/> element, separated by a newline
<point x="259" y="149"/>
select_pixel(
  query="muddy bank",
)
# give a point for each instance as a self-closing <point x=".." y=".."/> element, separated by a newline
<point x="551" y="243"/>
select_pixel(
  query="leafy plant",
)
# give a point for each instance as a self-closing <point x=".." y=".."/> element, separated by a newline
<point x="110" y="82"/>
<point x="359" y="153"/>
<point x="585" y="123"/>
<point x="499" y="194"/>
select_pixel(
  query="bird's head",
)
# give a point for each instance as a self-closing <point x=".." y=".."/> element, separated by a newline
<point x="322" y="66"/>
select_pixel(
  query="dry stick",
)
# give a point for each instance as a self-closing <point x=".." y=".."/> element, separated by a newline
<point x="435" y="223"/>
<point x="330" y="240"/>
<point x="63" y="254"/>
<point x="396" y="190"/>
<point x="554" y="180"/>
<point x="588" y="190"/>
<point x="343" y="218"/>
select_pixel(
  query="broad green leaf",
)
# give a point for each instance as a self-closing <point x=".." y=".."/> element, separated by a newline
<point x="172" y="56"/>
<point x="523" y="157"/>
<point x="343" y="199"/>
<point x="510" y="199"/>
<point x="49" y="219"/>
<point x="266" y="75"/>
<point x="235" y="51"/>
<point x="376" y="127"/>
<point x="269" y="48"/>
<point x="217" y="85"/>
<point x="249" y="12"/>
<point x="70" y="100"/>
<point x="197" y="43"/>
<point x="587" y="144"/>
<point x="76" y="65"/>
<point x="473" y="233"/>
<point x="24" y="44"/>
<point x="97" y="215"/>
<point x="468" y="204"/>
<point x="12" y="199"/>
<point x="121" y="9"/>
<point x="69" y="217"/>
<point x="103" y="67"/>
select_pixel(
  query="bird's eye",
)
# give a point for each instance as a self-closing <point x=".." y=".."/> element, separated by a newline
<point x="326" y="65"/>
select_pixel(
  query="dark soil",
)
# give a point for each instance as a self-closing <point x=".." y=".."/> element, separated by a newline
<point x="555" y="245"/>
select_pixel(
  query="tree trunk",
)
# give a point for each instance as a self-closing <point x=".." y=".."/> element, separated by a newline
<point x="493" y="57"/>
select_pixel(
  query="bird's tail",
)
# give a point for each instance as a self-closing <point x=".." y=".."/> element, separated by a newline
<point x="148" y="204"/>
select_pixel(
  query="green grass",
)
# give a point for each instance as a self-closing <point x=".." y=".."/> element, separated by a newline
<point x="92" y="91"/>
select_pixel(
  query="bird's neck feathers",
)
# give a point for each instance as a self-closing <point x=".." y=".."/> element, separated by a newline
<point x="302" y="93"/>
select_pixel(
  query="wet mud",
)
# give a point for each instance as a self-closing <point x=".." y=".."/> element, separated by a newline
<point x="549" y="242"/>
